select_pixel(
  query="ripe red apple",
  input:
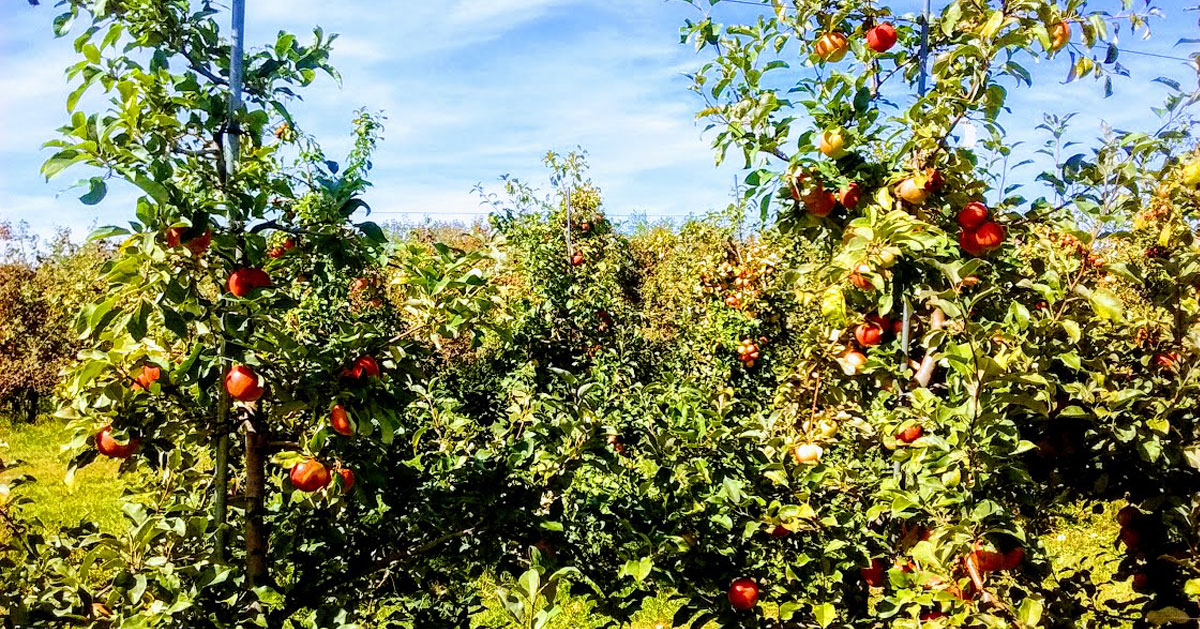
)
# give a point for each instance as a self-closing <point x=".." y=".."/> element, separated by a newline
<point x="197" y="245"/>
<point x="882" y="37"/>
<point x="831" y="47"/>
<point x="243" y="384"/>
<point x="1127" y="515"/>
<point x="340" y="420"/>
<point x="850" y="195"/>
<point x="779" y="531"/>
<point x="1131" y="537"/>
<point x="934" y="181"/>
<point x="1013" y="558"/>
<point x="347" y="475"/>
<point x="148" y="376"/>
<point x="859" y="277"/>
<point x="932" y="615"/>
<point x="1140" y="582"/>
<point x="986" y="560"/>
<point x="107" y="445"/>
<point x="309" y="475"/>
<point x="970" y="243"/>
<point x="359" y="284"/>
<point x="576" y="258"/>
<point x="743" y="594"/>
<point x="874" y="574"/>
<point x="1166" y="361"/>
<point x="614" y="441"/>
<point x="974" y="215"/>
<point x="868" y="334"/>
<point x="808" y="453"/>
<point x="365" y="367"/>
<point x="242" y="281"/>
<point x="989" y="236"/>
<point x="910" y="433"/>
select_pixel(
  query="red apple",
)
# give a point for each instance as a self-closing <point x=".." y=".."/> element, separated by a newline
<point x="1140" y="582"/>
<point x="365" y="367"/>
<point x="1127" y="515"/>
<point x="910" y="433"/>
<point x="340" y="420"/>
<point x="110" y="447"/>
<point x="779" y="531"/>
<point x="242" y="281"/>
<point x="850" y="196"/>
<point x="743" y="594"/>
<point x="148" y="376"/>
<point x="934" y="181"/>
<point x="868" y="334"/>
<point x="347" y="475"/>
<point x="859" y="278"/>
<point x="855" y="360"/>
<point x="882" y="37"/>
<point x="874" y="574"/>
<point x="970" y="243"/>
<point x="309" y="475"/>
<point x="197" y="245"/>
<point x="1013" y="558"/>
<point x="243" y="384"/>
<point x="989" y="236"/>
<point x="576" y="258"/>
<point x="973" y="216"/>
<point x="932" y="615"/>
<point x="820" y="202"/>
<point x="1166" y="361"/>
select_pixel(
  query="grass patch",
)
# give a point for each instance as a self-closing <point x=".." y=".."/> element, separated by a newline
<point x="93" y="497"/>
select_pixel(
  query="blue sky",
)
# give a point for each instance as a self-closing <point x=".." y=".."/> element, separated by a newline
<point x="474" y="89"/>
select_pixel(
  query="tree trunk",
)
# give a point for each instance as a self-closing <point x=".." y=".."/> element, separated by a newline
<point x="33" y="400"/>
<point x="256" y="533"/>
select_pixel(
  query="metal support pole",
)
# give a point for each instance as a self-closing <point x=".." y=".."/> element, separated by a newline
<point x="233" y="148"/>
<point x="924" y="48"/>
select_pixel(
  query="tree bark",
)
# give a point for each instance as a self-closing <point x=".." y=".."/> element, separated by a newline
<point x="256" y="533"/>
<point x="34" y="400"/>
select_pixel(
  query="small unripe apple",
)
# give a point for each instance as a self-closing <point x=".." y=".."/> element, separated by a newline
<point x="882" y="37"/>
<point x="832" y="143"/>
<point x="743" y="594"/>
<point x="1060" y="35"/>
<point x="831" y="47"/>
<point x="243" y="384"/>
<point x="912" y="191"/>
<point x="309" y="475"/>
<point x="808" y="453"/>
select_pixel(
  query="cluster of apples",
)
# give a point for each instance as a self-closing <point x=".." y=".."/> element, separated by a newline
<point x="979" y="235"/>
<point x="281" y="249"/>
<point x="875" y="329"/>
<point x="810" y="192"/>
<point x="831" y="47"/>
<point x="748" y="352"/>
<point x="737" y="282"/>
<point x="1140" y="534"/>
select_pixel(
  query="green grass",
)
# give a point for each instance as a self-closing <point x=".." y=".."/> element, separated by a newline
<point x="93" y="495"/>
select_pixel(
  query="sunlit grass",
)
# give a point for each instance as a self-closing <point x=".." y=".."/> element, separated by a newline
<point x="92" y="497"/>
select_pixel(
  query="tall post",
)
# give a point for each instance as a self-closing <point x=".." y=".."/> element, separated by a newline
<point x="924" y="47"/>
<point x="233" y="146"/>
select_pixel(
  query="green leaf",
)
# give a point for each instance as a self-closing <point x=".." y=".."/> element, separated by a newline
<point x="1030" y="612"/>
<point x="96" y="192"/>
<point x="372" y="232"/>
<point x="139" y="323"/>
<point x="825" y="614"/>
<point x="1106" y="304"/>
<point x="62" y="23"/>
<point x="102" y="233"/>
<point x="156" y="190"/>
